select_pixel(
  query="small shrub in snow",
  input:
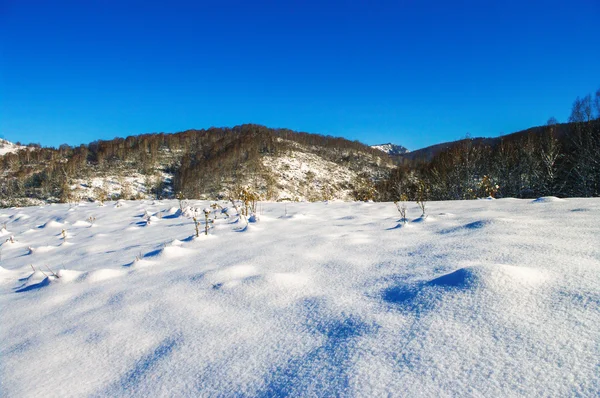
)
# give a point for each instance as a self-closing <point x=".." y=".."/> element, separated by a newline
<point x="249" y="200"/>
<point x="147" y="217"/>
<point x="54" y="274"/>
<point x="183" y="203"/>
<point x="422" y="195"/>
<point x="206" y="220"/>
<point x="225" y="211"/>
<point x="235" y="206"/>
<point x="222" y="210"/>
<point x="101" y="195"/>
<point x="401" y="206"/>
<point x="196" y="225"/>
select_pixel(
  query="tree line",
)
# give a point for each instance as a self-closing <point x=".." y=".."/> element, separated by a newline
<point x="559" y="159"/>
<point x="554" y="160"/>
<point x="202" y="162"/>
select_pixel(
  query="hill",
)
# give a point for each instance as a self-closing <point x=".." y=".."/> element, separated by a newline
<point x="560" y="131"/>
<point x="276" y="164"/>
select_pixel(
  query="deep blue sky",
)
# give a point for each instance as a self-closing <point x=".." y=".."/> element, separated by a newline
<point x="411" y="72"/>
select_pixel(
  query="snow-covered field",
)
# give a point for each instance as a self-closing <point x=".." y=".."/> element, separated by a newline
<point x="482" y="298"/>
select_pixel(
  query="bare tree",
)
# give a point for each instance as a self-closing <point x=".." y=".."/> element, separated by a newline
<point x="422" y="195"/>
<point x="550" y="152"/>
<point x="597" y="103"/>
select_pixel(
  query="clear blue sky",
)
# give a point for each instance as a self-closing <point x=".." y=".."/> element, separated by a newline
<point x="411" y="72"/>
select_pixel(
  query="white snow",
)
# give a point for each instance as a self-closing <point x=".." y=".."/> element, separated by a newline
<point x="300" y="175"/>
<point x="485" y="298"/>
<point x="303" y="176"/>
<point x="117" y="185"/>
<point x="391" y="149"/>
<point x="9" y="147"/>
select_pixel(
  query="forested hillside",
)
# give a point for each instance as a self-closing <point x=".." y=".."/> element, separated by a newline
<point x="276" y="164"/>
<point x="556" y="159"/>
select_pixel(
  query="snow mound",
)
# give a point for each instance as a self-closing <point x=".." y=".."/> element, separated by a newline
<point x="470" y="227"/>
<point x="190" y="212"/>
<point x="4" y="232"/>
<point x="461" y="278"/>
<point x="168" y="252"/>
<point x="41" y="249"/>
<point x="423" y="219"/>
<point x="36" y="280"/>
<point x="11" y="243"/>
<point x="547" y="199"/>
<point x="235" y="274"/>
<point x="19" y="217"/>
<point x="101" y="275"/>
<point x="52" y="224"/>
<point x="139" y="262"/>
<point x="173" y="212"/>
<point x="497" y="276"/>
<point x="174" y="251"/>
<point x="400" y="225"/>
<point x="69" y="275"/>
<point x="4" y="271"/>
<point x="6" y="275"/>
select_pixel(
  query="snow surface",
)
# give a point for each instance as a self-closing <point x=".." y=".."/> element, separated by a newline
<point x="391" y="149"/>
<point x="8" y="147"/>
<point x="115" y="185"/>
<point x="484" y="298"/>
<point x="301" y="174"/>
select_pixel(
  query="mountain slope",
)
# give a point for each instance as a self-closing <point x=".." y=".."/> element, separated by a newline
<point x="391" y="149"/>
<point x="426" y="154"/>
<point x="276" y="164"/>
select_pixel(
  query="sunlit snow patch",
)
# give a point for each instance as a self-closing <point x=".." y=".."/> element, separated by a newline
<point x="101" y="275"/>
